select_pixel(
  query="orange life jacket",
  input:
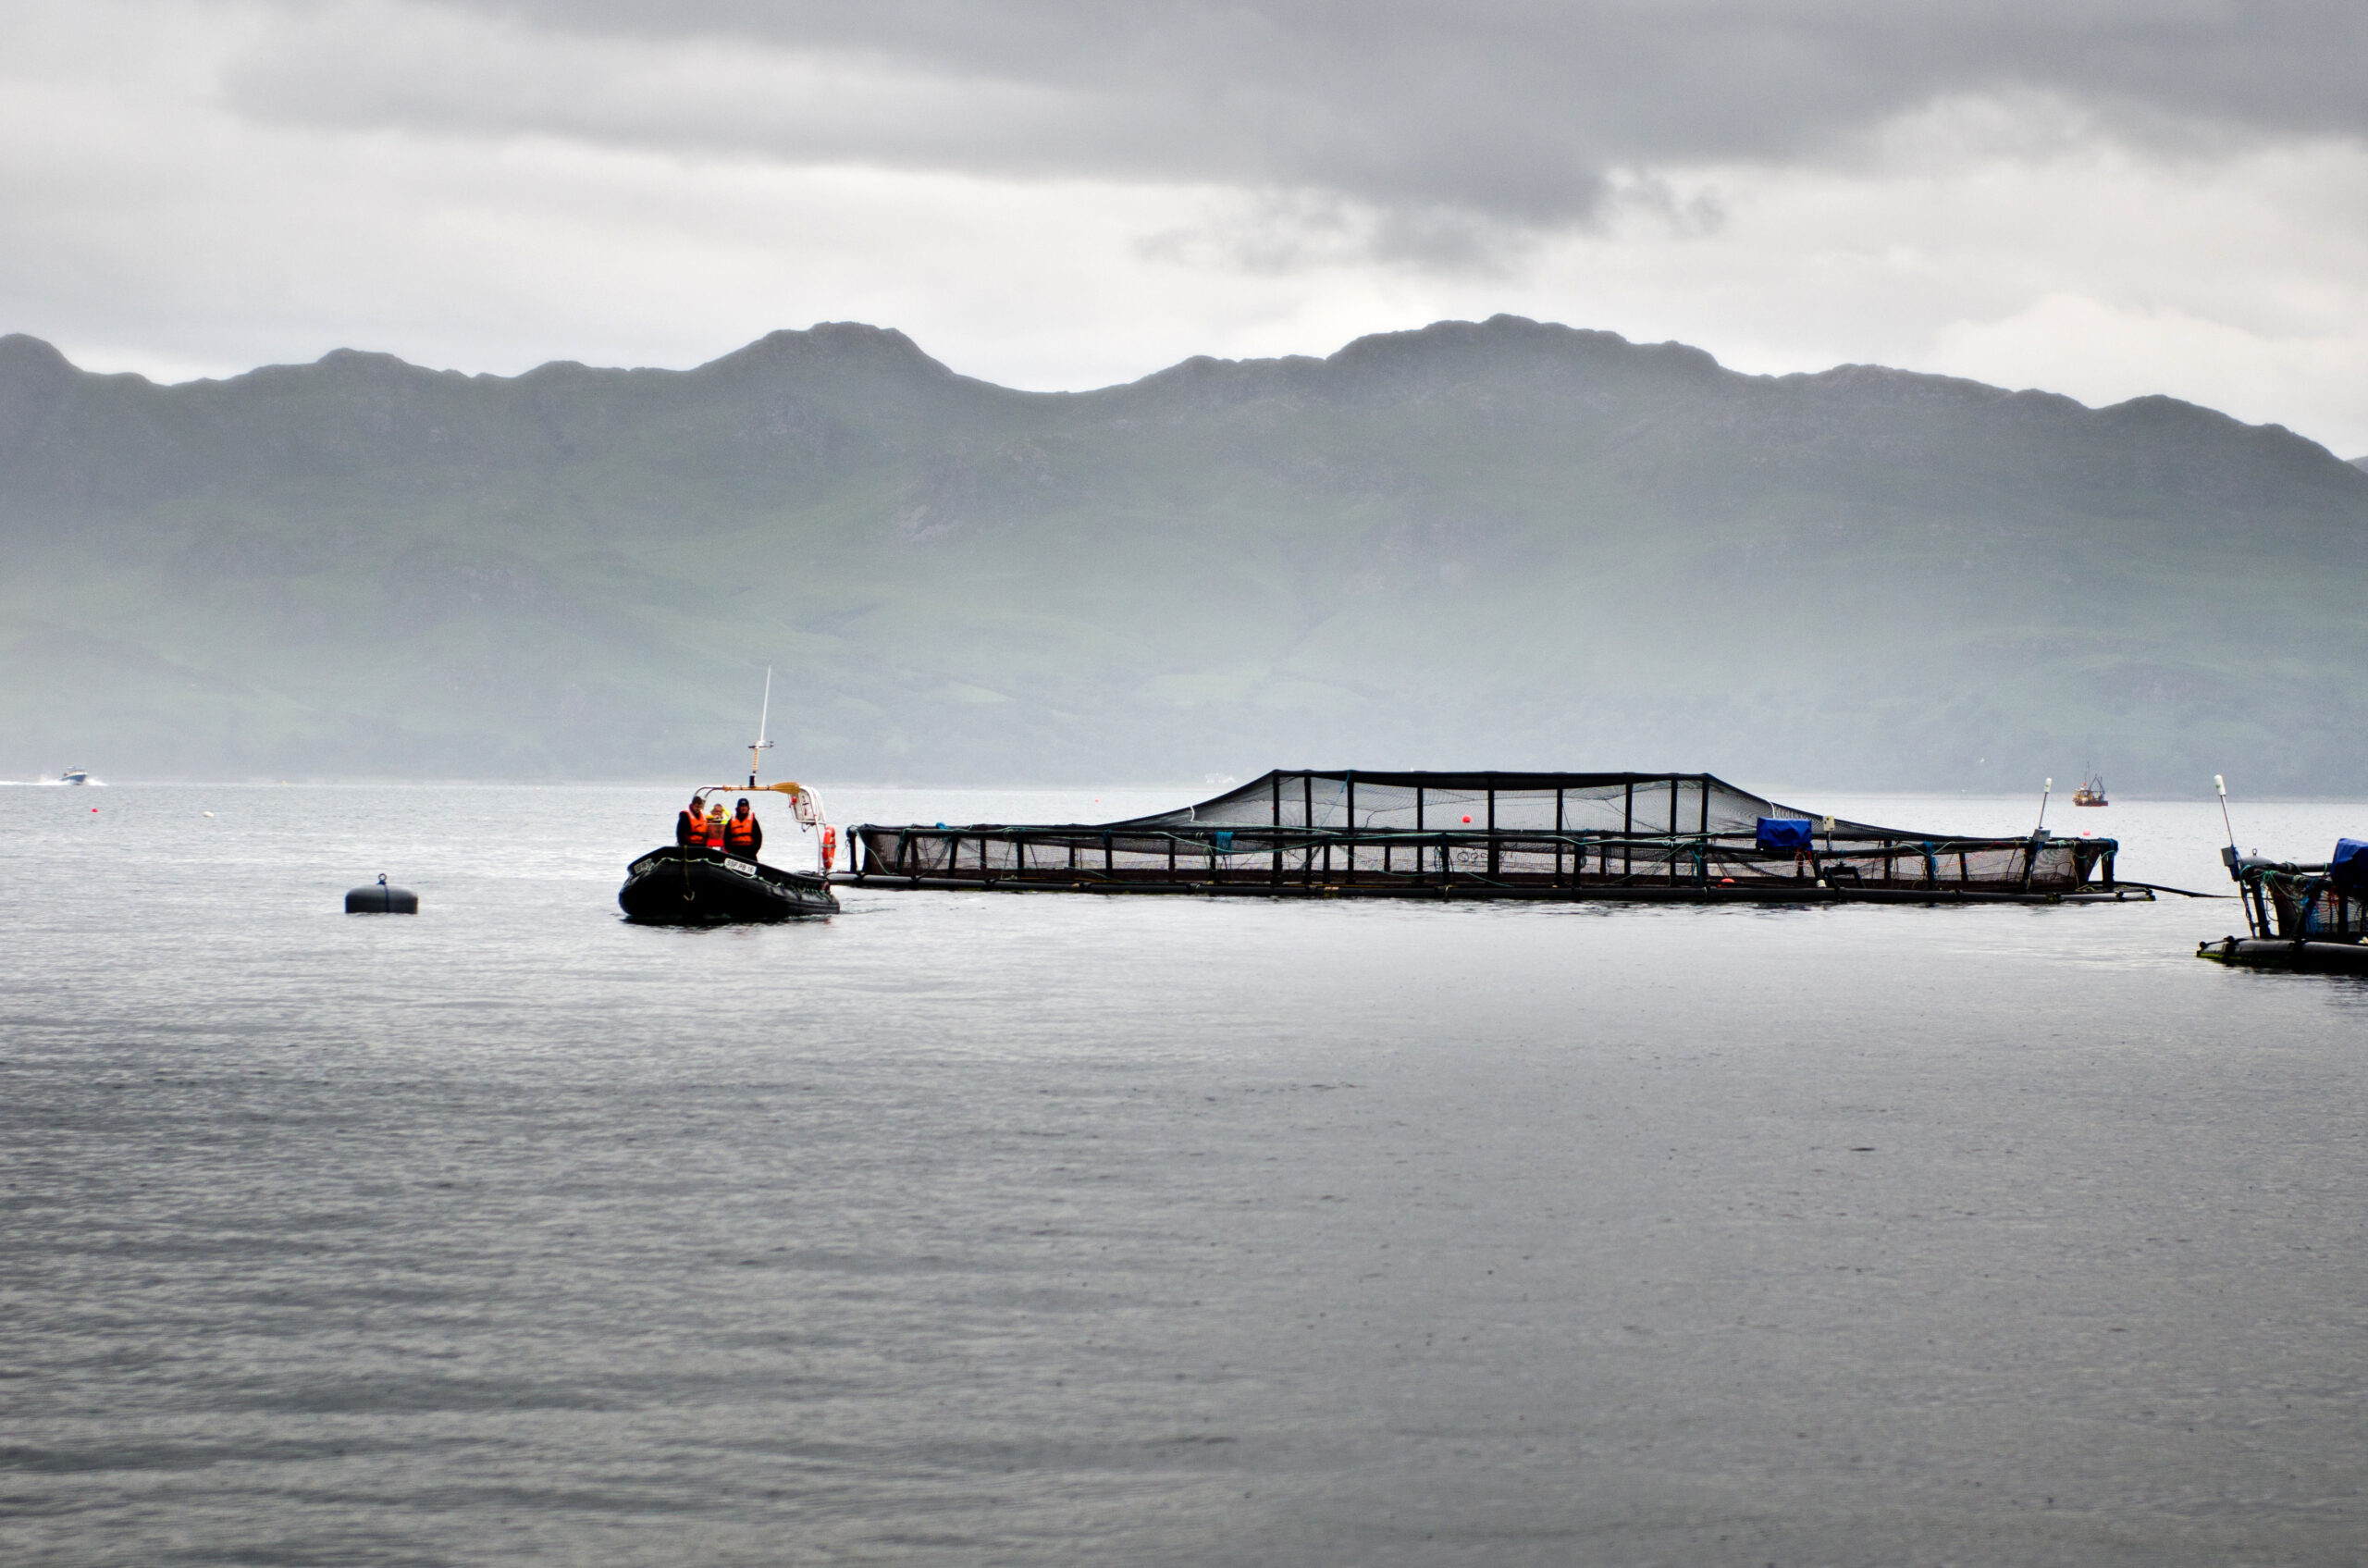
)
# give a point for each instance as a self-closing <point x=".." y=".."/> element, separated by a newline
<point x="739" y="831"/>
<point x="715" y="822"/>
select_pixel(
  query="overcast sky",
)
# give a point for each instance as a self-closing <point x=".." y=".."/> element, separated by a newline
<point x="2104" y="197"/>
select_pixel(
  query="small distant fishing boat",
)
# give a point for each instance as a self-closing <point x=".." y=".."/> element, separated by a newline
<point x="74" y="776"/>
<point x="700" y="885"/>
<point x="2091" y="792"/>
<point x="2297" y="916"/>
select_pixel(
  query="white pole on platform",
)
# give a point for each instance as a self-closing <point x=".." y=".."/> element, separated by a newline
<point x="764" y="717"/>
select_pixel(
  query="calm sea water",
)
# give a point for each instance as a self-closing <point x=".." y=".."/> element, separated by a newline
<point x="991" y="1229"/>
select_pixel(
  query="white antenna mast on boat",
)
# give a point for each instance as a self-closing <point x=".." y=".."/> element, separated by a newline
<point x="764" y="718"/>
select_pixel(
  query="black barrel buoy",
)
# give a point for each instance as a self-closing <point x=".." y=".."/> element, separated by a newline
<point x="380" y="899"/>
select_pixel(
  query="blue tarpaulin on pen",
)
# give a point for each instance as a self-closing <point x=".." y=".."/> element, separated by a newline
<point x="2350" y="867"/>
<point x="1785" y="833"/>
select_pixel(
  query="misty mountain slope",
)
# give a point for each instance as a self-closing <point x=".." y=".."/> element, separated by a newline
<point x="1499" y="543"/>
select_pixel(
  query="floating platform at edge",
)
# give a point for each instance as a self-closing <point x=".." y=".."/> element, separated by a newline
<point x="1624" y="837"/>
<point x="2312" y="917"/>
<point x="2279" y="953"/>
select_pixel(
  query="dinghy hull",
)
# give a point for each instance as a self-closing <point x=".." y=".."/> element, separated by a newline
<point x="698" y="887"/>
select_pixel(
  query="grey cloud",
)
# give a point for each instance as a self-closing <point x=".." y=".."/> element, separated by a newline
<point x="1280" y="233"/>
<point x="1505" y="111"/>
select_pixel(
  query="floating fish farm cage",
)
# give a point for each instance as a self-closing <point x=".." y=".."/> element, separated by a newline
<point x="1646" y="837"/>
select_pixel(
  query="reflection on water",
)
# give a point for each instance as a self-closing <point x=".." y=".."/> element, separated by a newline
<point x="978" y="1228"/>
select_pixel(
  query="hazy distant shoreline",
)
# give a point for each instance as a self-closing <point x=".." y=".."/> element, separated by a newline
<point x="1512" y="544"/>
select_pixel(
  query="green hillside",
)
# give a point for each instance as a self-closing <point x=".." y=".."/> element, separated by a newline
<point x="1502" y="544"/>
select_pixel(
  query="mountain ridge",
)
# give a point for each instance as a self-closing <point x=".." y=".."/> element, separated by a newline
<point x="1498" y="543"/>
<point x="831" y="340"/>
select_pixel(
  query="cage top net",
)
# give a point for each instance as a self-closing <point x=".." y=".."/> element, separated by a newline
<point x="1630" y="805"/>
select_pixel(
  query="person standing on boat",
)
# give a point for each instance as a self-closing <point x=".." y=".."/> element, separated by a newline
<point x="690" y="825"/>
<point x="715" y="827"/>
<point x="742" y="836"/>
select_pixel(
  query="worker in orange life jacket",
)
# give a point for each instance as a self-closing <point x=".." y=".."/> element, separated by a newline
<point x="715" y="826"/>
<point x="742" y="836"/>
<point x="690" y="825"/>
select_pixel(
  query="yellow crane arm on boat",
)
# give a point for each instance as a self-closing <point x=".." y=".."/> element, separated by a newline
<point x="789" y="789"/>
<point x="809" y="810"/>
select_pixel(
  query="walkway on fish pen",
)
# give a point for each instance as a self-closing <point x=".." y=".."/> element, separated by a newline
<point x="1652" y="837"/>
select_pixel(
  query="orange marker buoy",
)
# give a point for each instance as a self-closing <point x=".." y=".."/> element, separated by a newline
<point x="1467" y="818"/>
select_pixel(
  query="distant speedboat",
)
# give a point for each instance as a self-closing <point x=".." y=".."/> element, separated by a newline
<point x="74" y="775"/>
<point x="2091" y="792"/>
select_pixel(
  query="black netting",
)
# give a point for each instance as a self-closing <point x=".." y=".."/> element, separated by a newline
<point x="1626" y="803"/>
<point x="1510" y="831"/>
<point x="2308" y="905"/>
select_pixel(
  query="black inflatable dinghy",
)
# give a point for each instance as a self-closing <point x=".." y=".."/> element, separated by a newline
<point x="678" y="886"/>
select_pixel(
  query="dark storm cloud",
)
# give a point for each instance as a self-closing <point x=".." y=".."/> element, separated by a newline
<point x="1510" y="111"/>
